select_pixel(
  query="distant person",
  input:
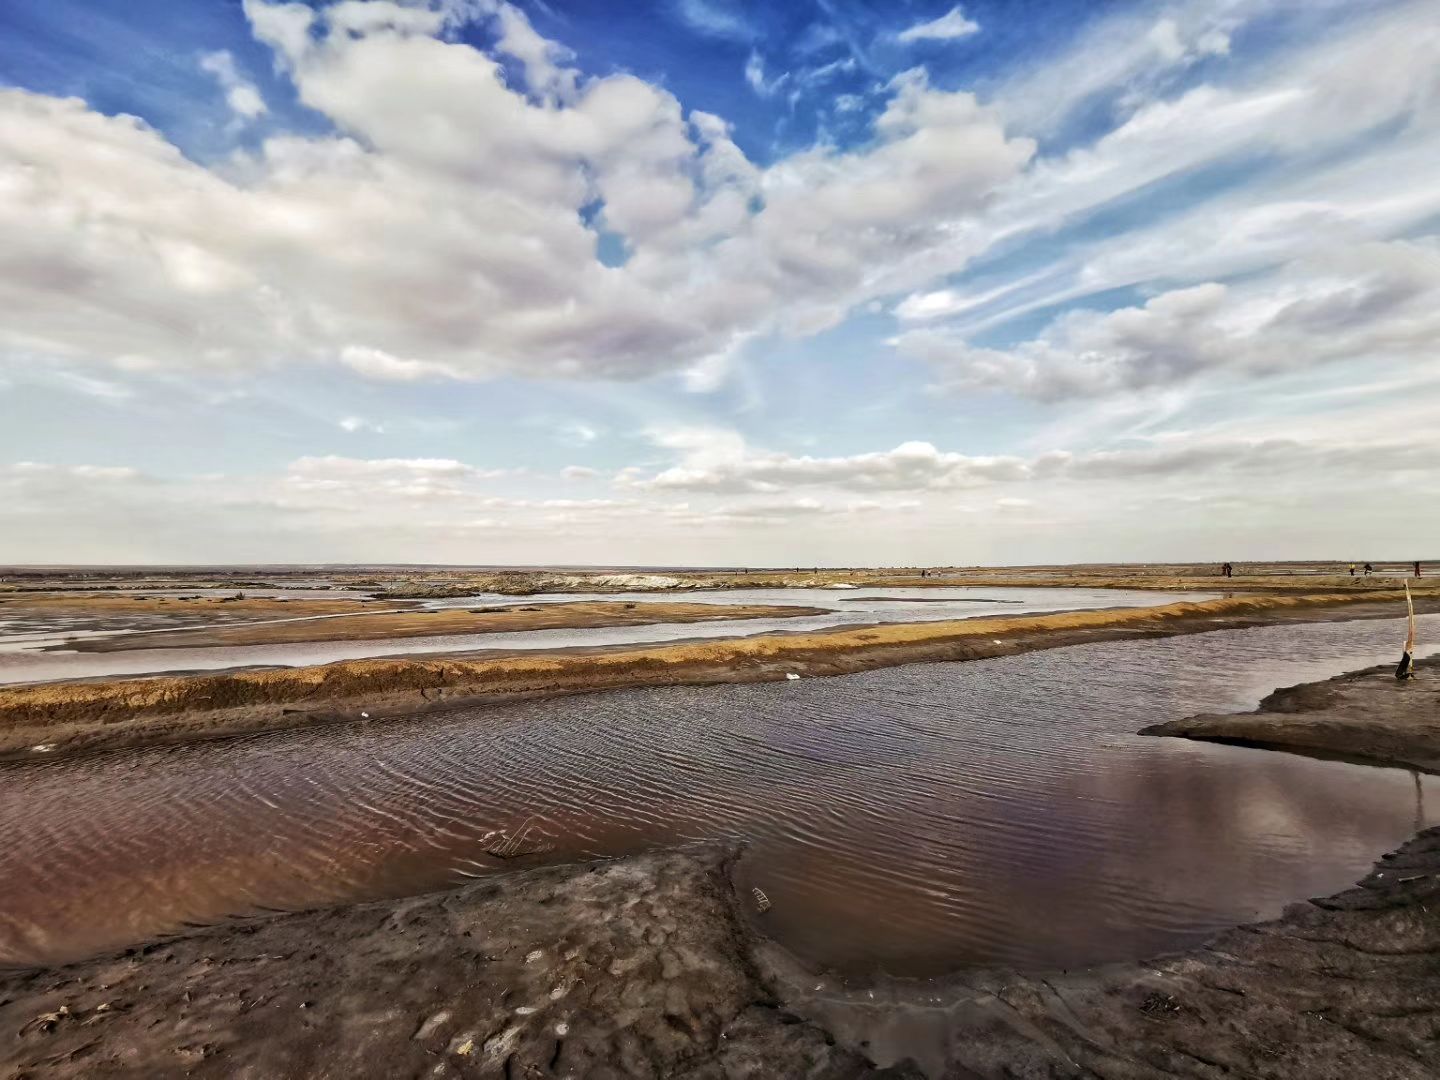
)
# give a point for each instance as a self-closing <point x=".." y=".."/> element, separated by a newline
<point x="1417" y="568"/>
<point x="1227" y="570"/>
<point x="1352" y="569"/>
<point x="1368" y="569"/>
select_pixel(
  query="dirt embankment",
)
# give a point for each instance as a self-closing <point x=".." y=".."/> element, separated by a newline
<point x="637" y="968"/>
<point x="408" y="624"/>
<point x="107" y="608"/>
<point x="647" y="967"/>
<point x="1337" y="988"/>
<point x="1364" y="714"/>
<point x="63" y="717"/>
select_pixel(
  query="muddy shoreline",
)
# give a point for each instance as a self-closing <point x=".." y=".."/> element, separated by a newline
<point x="358" y="625"/>
<point x="85" y="716"/>
<point x="658" y="965"/>
<point x="1362" y="715"/>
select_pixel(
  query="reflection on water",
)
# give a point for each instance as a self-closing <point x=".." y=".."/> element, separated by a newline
<point x="913" y="819"/>
<point x="21" y="662"/>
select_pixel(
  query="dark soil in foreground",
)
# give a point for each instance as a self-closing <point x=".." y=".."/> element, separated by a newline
<point x="644" y="968"/>
<point x="624" y="969"/>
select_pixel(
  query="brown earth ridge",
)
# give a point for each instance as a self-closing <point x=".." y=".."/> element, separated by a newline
<point x="1368" y="714"/>
<point x="88" y="715"/>
<point x="654" y="966"/>
<point x="382" y="625"/>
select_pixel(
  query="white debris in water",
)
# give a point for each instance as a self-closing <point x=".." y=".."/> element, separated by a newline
<point x="43" y="748"/>
<point x="533" y="955"/>
<point x="791" y="675"/>
<point x="839" y="585"/>
<point x="366" y="715"/>
<point x="562" y="1029"/>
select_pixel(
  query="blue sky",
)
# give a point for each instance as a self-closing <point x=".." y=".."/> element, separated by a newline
<point x="699" y="281"/>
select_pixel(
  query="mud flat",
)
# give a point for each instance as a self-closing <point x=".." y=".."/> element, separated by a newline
<point x="636" y="968"/>
<point x="114" y="611"/>
<point x="1367" y="715"/>
<point x="492" y="620"/>
<point x="652" y="967"/>
<point x="75" y="716"/>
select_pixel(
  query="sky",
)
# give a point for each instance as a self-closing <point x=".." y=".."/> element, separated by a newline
<point x="712" y="282"/>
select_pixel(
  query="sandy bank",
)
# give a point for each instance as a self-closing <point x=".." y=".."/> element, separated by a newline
<point x="385" y="625"/>
<point x="1364" y="714"/>
<point x="89" y="715"/>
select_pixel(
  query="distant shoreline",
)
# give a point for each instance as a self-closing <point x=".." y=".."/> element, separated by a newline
<point x="92" y="715"/>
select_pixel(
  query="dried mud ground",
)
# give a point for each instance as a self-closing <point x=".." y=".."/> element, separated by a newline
<point x="654" y="966"/>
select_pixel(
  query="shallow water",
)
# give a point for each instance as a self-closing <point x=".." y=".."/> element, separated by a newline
<point x="911" y="820"/>
<point x="22" y="661"/>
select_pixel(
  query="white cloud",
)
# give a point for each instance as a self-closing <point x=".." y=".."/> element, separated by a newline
<point x="377" y="364"/>
<point x="755" y="76"/>
<point x="240" y="93"/>
<point x="579" y="472"/>
<point x="718" y="462"/>
<point x="948" y="27"/>
<point x="355" y="424"/>
<point x="457" y="247"/>
<point x="714" y="460"/>
<point x="1377" y="301"/>
<point x="42" y="471"/>
<point x="713" y="18"/>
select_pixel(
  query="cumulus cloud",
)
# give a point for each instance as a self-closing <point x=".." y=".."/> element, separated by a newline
<point x="948" y="27"/>
<point x="717" y="462"/>
<point x="466" y="245"/>
<point x="1380" y="301"/>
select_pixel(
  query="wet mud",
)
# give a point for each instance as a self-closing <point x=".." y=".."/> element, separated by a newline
<point x="428" y="623"/>
<point x="1368" y="715"/>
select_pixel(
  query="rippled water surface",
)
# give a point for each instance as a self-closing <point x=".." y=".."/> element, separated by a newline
<point x="912" y="819"/>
